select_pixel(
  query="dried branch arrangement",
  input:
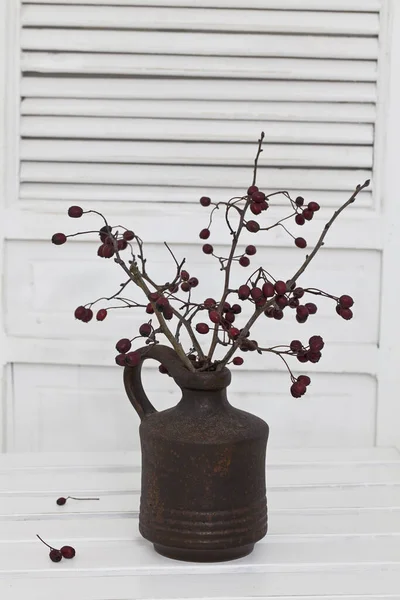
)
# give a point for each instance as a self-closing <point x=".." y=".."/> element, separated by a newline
<point x="171" y="303"/>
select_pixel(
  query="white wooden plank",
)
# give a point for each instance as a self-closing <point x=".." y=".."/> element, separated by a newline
<point x="202" y="109"/>
<point x="282" y="525"/>
<point x="193" y="153"/>
<point x="199" y="66"/>
<point x="270" y="556"/>
<point x="196" y="130"/>
<point x="187" y="89"/>
<point x="332" y="179"/>
<point x="130" y="460"/>
<point x="52" y="197"/>
<point x="289" y="478"/>
<point x="348" y="583"/>
<point x="207" y="44"/>
<point x="328" y="5"/>
<point x="160" y="18"/>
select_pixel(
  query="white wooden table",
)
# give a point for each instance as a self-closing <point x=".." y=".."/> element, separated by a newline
<point x="334" y="531"/>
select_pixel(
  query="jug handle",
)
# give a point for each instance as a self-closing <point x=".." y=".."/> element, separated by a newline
<point x="133" y="381"/>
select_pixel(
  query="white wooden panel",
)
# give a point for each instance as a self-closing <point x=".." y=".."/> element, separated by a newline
<point x="207" y="44"/>
<point x="111" y="151"/>
<point x="203" y="109"/>
<point x="186" y="89"/>
<point x="85" y="408"/>
<point x="51" y="197"/>
<point x="196" y="130"/>
<point x="38" y="305"/>
<point x="199" y="66"/>
<point x="328" y="5"/>
<point x="330" y="179"/>
<point x="159" y="18"/>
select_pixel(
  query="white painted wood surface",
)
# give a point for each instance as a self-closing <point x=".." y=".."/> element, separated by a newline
<point x="334" y="531"/>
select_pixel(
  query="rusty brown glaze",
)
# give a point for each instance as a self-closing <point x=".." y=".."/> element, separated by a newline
<point x="203" y="466"/>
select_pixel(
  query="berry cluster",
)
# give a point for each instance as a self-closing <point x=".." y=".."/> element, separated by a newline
<point x="220" y="318"/>
<point x="57" y="555"/>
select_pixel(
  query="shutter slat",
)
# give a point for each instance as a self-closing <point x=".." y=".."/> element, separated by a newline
<point x="181" y="129"/>
<point x="159" y="18"/>
<point x="170" y="193"/>
<point x="330" y="179"/>
<point x="182" y="89"/>
<point x="202" y="109"/>
<point x="200" y="66"/>
<point x="206" y="44"/>
<point x="293" y="155"/>
<point x="331" y="5"/>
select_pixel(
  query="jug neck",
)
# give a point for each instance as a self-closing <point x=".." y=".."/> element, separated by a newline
<point x="203" y="401"/>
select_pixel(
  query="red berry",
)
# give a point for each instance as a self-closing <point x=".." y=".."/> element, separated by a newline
<point x="233" y="332"/>
<point x="238" y="360"/>
<point x="208" y="249"/>
<point x="153" y="296"/>
<point x="256" y="293"/>
<point x="122" y="245"/>
<point x="132" y="359"/>
<point x="255" y="208"/>
<point x="244" y="261"/>
<point x="226" y="307"/>
<point x="346" y="301"/>
<point x="268" y="289"/>
<point x="294" y="302"/>
<point x="278" y="314"/>
<point x="120" y="360"/>
<point x="61" y="501"/>
<point x="280" y="287"/>
<point x="230" y="317"/>
<point x="297" y="389"/>
<point x="311" y="307"/>
<point x="269" y="312"/>
<point x="145" y="329"/>
<point x="68" y="551"/>
<point x="302" y="356"/>
<point x="161" y="303"/>
<point x="104" y="232"/>
<point x="300" y="242"/>
<point x="101" y="314"/>
<point x="304" y="379"/>
<point x="258" y="197"/>
<point x="244" y="292"/>
<point x="299" y="201"/>
<point x="88" y="316"/>
<point x="128" y="235"/>
<point x="204" y="234"/>
<point x="185" y="286"/>
<point x="236" y="309"/>
<point x="252" y="189"/>
<point x="100" y="251"/>
<point x="185" y="276"/>
<point x="300" y="220"/>
<point x="301" y="319"/>
<point x="296" y="346"/>
<point x="202" y="328"/>
<point x="252" y="226"/>
<point x="314" y="206"/>
<point x="163" y="370"/>
<point x="215" y="317"/>
<point x="75" y="212"/>
<point x="281" y="301"/>
<point x="55" y="555"/>
<point x="264" y="205"/>
<point x="168" y="313"/>
<point x="302" y="311"/>
<point x="193" y="282"/>
<point x="346" y="313"/>
<point x="123" y="345"/>
<point x="59" y="238"/>
<point x="250" y="250"/>
<point x="205" y="201"/>
<point x="108" y="251"/>
<point x="79" y="312"/>
<point x="149" y="309"/>
<point x="308" y="214"/>
<point x="313" y="356"/>
<point x="298" y="292"/>
<point x="209" y="303"/>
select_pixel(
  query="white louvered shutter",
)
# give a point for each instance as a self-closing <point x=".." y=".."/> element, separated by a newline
<point x="139" y="108"/>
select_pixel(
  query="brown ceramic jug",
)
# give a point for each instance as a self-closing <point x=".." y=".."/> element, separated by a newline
<point x="203" y="466"/>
